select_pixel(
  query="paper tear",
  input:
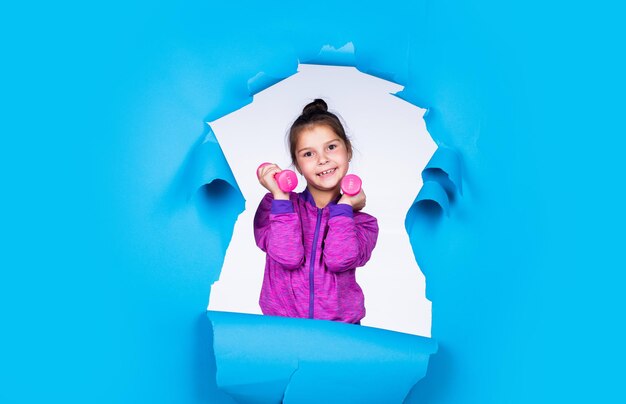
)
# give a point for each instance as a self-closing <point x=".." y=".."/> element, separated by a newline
<point x="208" y="163"/>
<point x="315" y="360"/>
<point x="431" y="201"/>
<point x="445" y="164"/>
<point x="204" y="164"/>
<point x="329" y="55"/>
<point x="289" y="382"/>
<point x="231" y="104"/>
<point x="262" y="81"/>
<point x="442" y="181"/>
<point x="206" y="181"/>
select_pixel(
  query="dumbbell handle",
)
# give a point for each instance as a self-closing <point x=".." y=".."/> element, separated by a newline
<point x="287" y="180"/>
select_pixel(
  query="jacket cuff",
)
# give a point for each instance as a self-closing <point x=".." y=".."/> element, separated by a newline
<point x="341" y="209"/>
<point x="281" y="206"/>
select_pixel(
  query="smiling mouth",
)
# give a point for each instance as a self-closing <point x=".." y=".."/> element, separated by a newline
<point x="327" y="172"/>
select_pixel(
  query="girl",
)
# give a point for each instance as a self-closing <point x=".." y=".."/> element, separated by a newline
<point x="316" y="239"/>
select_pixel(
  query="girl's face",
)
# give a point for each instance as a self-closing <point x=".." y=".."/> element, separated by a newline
<point x="322" y="158"/>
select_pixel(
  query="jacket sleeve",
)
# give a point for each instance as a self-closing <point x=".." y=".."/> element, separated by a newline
<point x="278" y="232"/>
<point x="350" y="240"/>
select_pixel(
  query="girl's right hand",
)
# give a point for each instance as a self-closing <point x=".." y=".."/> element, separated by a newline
<point x="356" y="201"/>
<point x="266" y="175"/>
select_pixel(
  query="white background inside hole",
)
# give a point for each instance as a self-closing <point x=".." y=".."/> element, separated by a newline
<point x="391" y="148"/>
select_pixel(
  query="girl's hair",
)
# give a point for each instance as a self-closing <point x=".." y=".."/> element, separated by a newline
<point x="313" y="114"/>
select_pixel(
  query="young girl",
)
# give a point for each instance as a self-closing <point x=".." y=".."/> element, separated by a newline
<point x="316" y="239"/>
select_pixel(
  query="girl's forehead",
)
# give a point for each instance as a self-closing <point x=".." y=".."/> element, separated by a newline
<point x="316" y="135"/>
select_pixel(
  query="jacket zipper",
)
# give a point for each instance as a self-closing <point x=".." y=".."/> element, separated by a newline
<point x="312" y="266"/>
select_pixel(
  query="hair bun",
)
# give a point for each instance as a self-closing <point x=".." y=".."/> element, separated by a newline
<point x="318" y="105"/>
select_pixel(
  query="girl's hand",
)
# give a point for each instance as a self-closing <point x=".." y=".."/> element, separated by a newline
<point x="357" y="201"/>
<point x="266" y="178"/>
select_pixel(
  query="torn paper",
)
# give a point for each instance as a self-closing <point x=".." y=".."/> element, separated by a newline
<point x="445" y="168"/>
<point x="267" y="359"/>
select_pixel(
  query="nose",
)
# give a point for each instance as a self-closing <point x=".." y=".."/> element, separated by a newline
<point x="322" y="159"/>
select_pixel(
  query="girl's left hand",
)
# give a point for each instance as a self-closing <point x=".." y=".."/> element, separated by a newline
<point x="357" y="201"/>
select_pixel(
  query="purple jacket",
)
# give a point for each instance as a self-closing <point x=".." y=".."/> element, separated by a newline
<point x="312" y="256"/>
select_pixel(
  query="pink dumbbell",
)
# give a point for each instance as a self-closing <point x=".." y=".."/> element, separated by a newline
<point x="351" y="184"/>
<point x="286" y="179"/>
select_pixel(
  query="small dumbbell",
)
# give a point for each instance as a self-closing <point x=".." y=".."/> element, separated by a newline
<point x="286" y="179"/>
<point x="351" y="184"/>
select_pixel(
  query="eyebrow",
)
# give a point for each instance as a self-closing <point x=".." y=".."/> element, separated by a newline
<point x="307" y="148"/>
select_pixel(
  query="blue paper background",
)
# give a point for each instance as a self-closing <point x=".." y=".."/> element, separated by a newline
<point x="106" y="270"/>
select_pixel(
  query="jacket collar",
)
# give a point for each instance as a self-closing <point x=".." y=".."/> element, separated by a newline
<point x="309" y="198"/>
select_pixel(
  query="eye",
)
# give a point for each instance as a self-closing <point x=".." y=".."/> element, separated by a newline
<point x="307" y="154"/>
<point x="332" y="147"/>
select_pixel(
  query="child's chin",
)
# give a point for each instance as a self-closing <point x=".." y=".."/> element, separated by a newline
<point x="332" y="188"/>
<point x="331" y="182"/>
<point x="327" y="186"/>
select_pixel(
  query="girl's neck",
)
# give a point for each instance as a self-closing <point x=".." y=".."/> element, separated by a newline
<point x="323" y="198"/>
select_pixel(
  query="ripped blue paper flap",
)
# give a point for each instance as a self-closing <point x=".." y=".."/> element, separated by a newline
<point x="329" y="55"/>
<point x="432" y="200"/>
<point x="278" y="359"/>
<point x="262" y="81"/>
<point x="208" y="164"/>
<point x="445" y="168"/>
